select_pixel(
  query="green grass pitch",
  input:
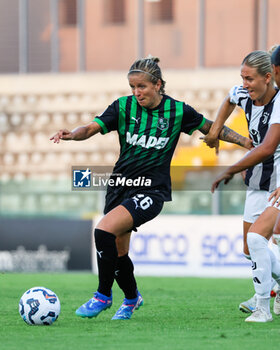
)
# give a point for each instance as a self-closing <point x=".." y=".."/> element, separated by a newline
<point x="178" y="313"/>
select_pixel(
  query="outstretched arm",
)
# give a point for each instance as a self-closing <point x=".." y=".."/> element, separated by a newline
<point x="256" y="156"/>
<point x="78" y="134"/>
<point x="228" y="135"/>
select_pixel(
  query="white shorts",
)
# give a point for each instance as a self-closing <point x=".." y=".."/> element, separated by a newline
<point x="256" y="202"/>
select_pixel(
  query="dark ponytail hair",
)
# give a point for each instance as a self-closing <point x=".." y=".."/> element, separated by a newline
<point x="149" y="66"/>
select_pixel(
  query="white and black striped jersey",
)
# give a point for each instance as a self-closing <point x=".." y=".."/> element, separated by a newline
<point x="266" y="175"/>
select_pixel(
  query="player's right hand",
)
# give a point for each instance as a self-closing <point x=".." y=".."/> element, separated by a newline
<point x="275" y="195"/>
<point x="63" y="134"/>
<point x="226" y="176"/>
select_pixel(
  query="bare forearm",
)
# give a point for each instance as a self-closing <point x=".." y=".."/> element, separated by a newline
<point x="228" y="135"/>
<point x="80" y="133"/>
<point x="86" y="131"/>
<point x="256" y="156"/>
<point x="231" y="136"/>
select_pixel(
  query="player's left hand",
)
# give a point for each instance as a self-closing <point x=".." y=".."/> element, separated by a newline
<point x="276" y="195"/>
<point x="225" y="176"/>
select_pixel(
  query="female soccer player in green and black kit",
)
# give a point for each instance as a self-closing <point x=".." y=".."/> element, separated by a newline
<point x="149" y="124"/>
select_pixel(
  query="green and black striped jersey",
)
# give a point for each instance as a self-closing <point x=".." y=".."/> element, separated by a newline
<point x="148" y="137"/>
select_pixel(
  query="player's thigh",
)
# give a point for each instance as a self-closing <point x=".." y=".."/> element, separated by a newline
<point x="143" y="207"/>
<point x="265" y="223"/>
<point x="255" y="203"/>
<point x="132" y="213"/>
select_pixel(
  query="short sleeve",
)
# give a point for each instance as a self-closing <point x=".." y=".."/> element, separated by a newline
<point x="108" y="120"/>
<point x="237" y="94"/>
<point x="192" y="120"/>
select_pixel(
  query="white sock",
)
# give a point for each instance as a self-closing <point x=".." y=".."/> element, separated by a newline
<point x="274" y="247"/>
<point x="261" y="264"/>
<point x="273" y="284"/>
<point x="263" y="303"/>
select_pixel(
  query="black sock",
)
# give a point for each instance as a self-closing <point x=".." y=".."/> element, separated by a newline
<point x="125" y="277"/>
<point x="107" y="254"/>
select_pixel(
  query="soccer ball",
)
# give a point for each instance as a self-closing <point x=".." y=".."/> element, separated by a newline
<point x="39" y="306"/>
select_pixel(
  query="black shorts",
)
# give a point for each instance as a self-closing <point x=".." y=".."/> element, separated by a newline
<point x="142" y="205"/>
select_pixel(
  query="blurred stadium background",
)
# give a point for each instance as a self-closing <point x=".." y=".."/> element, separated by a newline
<point x="62" y="62"/>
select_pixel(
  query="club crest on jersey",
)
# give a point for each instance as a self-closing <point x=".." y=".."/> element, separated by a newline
<point x="163" y="123"/>
<point x="265" y="117"/>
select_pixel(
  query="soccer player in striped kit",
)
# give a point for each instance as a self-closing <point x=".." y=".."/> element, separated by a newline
<point x="261" y="103"/>
<point x="149" y="124"/>
<point x="275" y="60"/>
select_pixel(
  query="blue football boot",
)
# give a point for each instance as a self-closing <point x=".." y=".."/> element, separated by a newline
<point x="94" y="306"/>
<point x="127" y="308"/>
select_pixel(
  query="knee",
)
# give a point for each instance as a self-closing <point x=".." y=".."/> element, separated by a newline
<point x="104" y="238"/>
<point x="256" y="241"/>
<point x="98" y="234"/>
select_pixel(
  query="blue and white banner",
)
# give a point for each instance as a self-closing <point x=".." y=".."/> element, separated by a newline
<point x="189" y="246"/>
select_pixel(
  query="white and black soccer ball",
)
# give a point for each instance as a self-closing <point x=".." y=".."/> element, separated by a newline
<point x="39" y="306"/>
